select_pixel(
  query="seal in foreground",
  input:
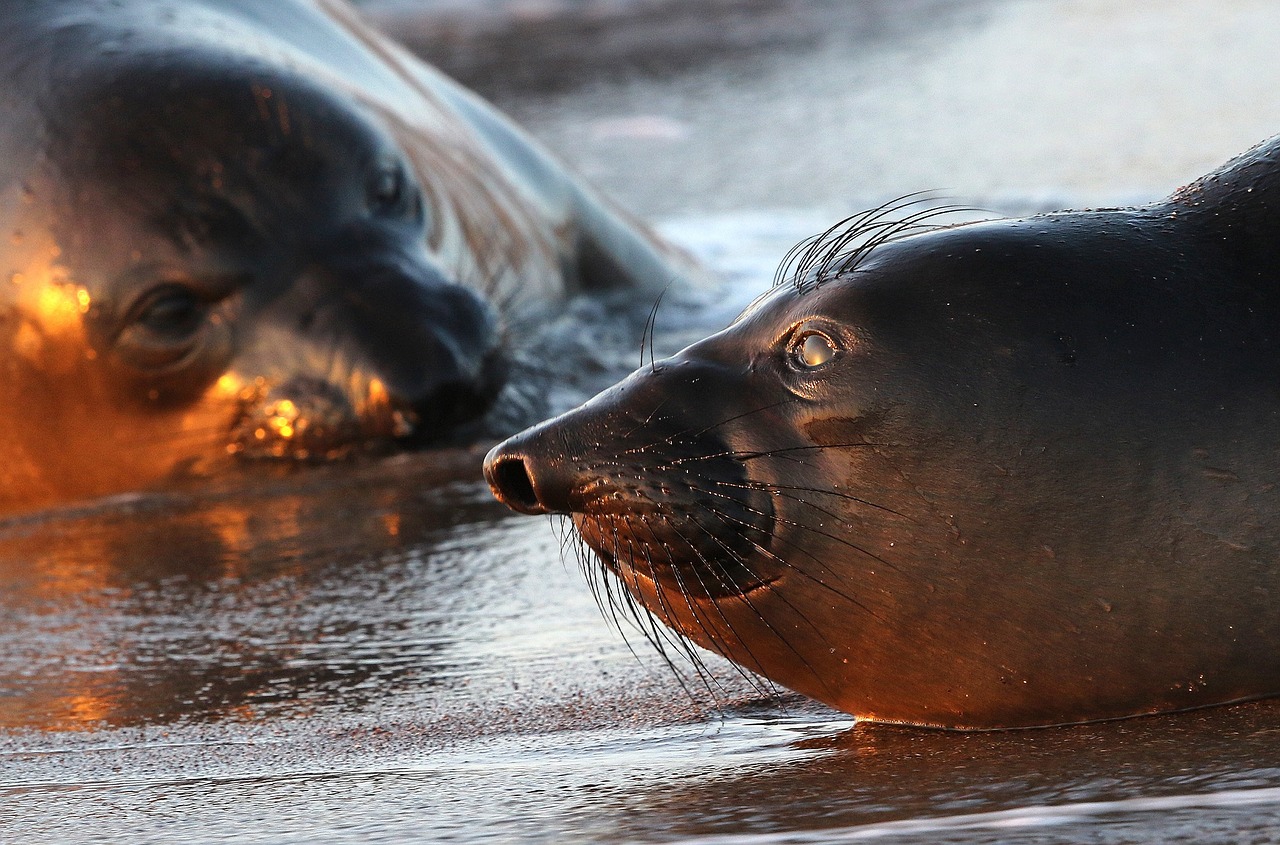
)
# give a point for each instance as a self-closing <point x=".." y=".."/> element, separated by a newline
<point x="240" y="228"/>
<point x="1003" y="474"/>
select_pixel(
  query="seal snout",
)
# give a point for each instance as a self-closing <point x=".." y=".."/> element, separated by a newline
<point x="436" y="345"/>
<point x="510" y="482"/>
<point x="527" y="481"/>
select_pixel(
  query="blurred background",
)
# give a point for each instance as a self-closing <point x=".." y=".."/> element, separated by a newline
<point x="693" y="106"/>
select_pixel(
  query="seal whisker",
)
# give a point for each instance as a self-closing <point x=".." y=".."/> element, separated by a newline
<point x="646" y="618"/>
<point x="569" y="539"/>
<point x="647" y="420"/>
<point x="689" y="432"/>
<point x="838" y="255"/>
<point x="770" y="453"/>
<point x="763" y="618"/>
<point x="892" y="230"/>
<point x="725" y="647"/>
<point x="741" y="560"/>
<point x="801" y="526"/>
<point x="778" y="519"/>
<point x="640" y="615"/>
<point x="841" y="540"/>
<point x="785" y="490"/>
<point x="743" y="456"/>
<point x="637" y="616"/>
<point x="691" y="654"/>
<point x="697" y="617"/>
<point x="843" y="232"/>
<point x="783" y="562"/>
<point x="650" y="327"/>
<point x="618" y="609"/>
<point x="835" y="249"/>
<point x="656" y="635"/>
<point x="805" y="255"/>
<point x="833" y="252"/>
<point x="739" y="456"/>
<point x="733" y="454"/>
<point x="781" y="595"/>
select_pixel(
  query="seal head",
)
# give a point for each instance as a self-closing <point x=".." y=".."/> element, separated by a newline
<point x="242" y="230"/>
<point x="268" y="276"/>
<point x="1004" y="474"/>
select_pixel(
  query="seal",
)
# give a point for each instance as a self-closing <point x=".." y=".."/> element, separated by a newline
<point x="236" y="229"/>
<point x="1002" y="474"/>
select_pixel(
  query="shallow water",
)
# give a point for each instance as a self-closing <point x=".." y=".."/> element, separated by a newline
<point x="380" y="653"/>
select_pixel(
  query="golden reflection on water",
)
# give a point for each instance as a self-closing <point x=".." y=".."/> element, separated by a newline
<point x="215" y="605"/>
<point x="88" y="709"/>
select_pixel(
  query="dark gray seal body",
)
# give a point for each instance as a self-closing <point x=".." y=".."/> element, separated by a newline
<point x="244" y="228"/>
<point x="1010" y="473"/>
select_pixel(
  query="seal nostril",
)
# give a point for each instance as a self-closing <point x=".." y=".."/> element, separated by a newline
<point x="511" y="484"/>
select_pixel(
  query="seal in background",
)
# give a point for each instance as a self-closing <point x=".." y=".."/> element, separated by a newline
<point x="244" y="229"/>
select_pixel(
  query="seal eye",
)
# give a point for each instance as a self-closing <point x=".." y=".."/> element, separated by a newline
<point x="812" y="349"/>
<point x="388" y="190"/>
<point x="163" y="328"/>
<point x="172" y="311"/>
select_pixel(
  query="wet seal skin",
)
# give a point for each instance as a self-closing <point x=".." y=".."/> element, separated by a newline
<point x="239" y="229"/>
<point x="1003" y="474"/>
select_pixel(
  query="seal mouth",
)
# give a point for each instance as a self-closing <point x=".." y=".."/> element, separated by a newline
<point x="312" y="420"/>
<point x="656" y="581"/>
<point x="700" y="549"/>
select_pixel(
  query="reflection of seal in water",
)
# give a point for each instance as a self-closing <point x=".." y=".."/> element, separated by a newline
<point x="257" y="228"/>
<point x="1002" y="474"/>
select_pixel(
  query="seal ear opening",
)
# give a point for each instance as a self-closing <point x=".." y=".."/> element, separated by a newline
<point x="510" y="482"/>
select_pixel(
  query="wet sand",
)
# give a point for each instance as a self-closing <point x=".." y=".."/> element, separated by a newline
<point x="380" y="653"/>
